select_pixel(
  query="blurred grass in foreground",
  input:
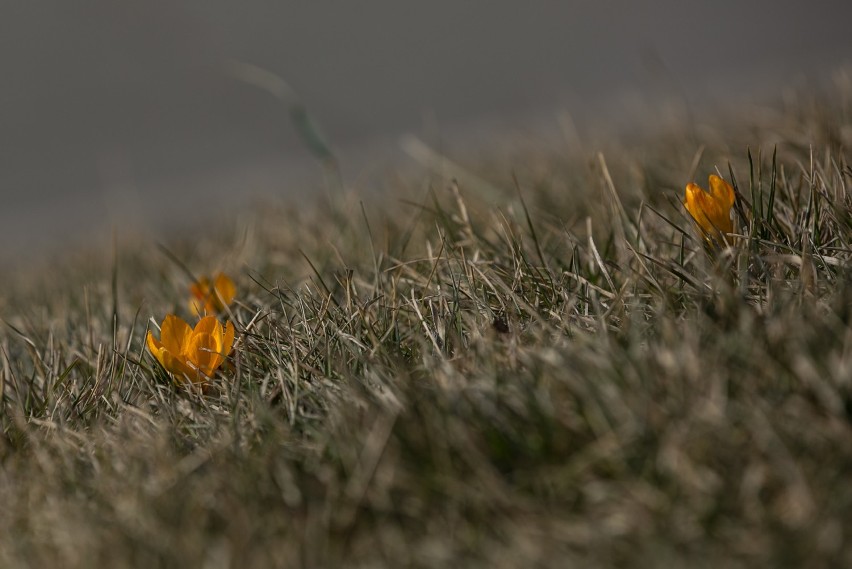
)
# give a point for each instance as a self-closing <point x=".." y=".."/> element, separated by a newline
<point x="561" y="376"/>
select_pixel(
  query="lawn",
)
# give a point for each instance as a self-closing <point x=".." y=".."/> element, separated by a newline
<point x="543" y="363"/>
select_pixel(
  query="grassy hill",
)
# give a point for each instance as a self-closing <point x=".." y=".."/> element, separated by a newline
<point x="540" y="365"/>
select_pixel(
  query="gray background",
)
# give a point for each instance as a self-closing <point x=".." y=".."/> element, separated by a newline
<point x="119" y="113"/>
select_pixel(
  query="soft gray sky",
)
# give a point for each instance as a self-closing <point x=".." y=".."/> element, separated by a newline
<point x="118" y="111"/>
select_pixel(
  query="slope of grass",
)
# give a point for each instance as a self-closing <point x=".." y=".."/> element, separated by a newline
<point x="549" y="371"/>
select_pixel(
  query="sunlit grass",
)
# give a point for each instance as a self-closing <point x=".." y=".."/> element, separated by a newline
<point x="561" y="374"/>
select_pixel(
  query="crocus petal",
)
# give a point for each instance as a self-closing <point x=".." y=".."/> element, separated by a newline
<point x="171" y="362"/>
<point x="722" y="192"/>
<point x="207" y="326"/>
<point x="175" y="334"/>
<point x="212" y="297"/>
<point x="224" y="343"/>
<point x="196" y="307"/>
<point x="220" y="348"/>
<point x="204" y="344"/>
<point x="191" y="354"/>
<point x="696" y="205"/>
<point x="204" y="353"/>
<point x="199" y="304"/>
<point x="692" y="195"/>
<point x="210" y="344"/>
<point x="711" y="211"/>
<point x="155" y="347"/>
<point x="723" y="200"/>
<point x="225" y="289"/>
<point x="200" y="288"/>
<point x="182" y="369"/>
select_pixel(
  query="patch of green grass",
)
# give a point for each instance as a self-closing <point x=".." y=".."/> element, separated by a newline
<point x="558" y="375"/>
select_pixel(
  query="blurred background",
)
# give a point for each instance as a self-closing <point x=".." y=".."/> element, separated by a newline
<point x="119" y="113"/>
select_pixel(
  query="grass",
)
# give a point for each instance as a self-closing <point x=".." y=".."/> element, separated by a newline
<point x="551" y="371"/>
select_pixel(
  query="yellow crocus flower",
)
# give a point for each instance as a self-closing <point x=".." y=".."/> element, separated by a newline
<point x="711" y="210"/>
<point x="208" y="299"/>
<point x="191" y="354"/>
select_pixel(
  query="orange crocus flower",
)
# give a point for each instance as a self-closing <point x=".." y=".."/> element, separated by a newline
<point x="711" y="210"/>
<point x="208" y="299"/>
<point x="191" y="354"/>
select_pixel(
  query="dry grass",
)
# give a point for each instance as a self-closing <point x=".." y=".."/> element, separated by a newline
<point x="557" y="374"/>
